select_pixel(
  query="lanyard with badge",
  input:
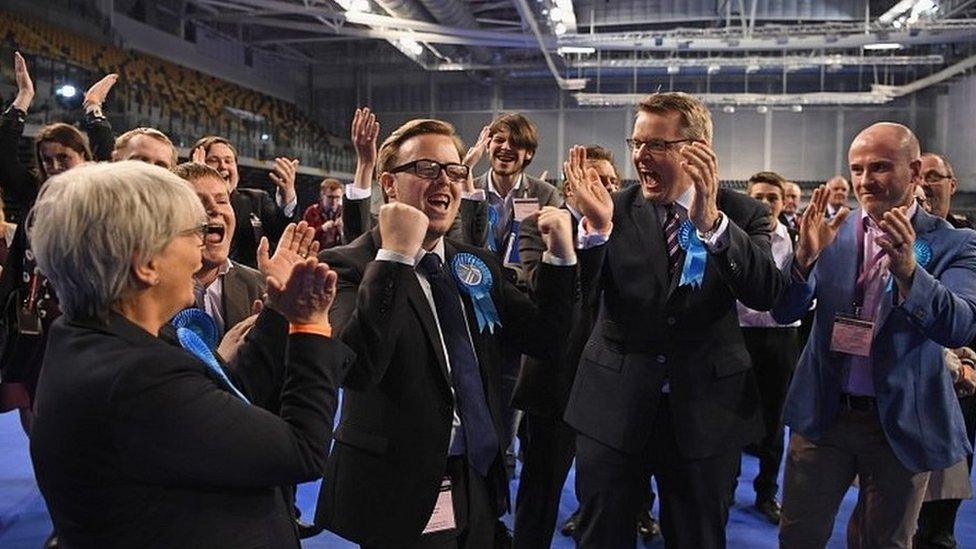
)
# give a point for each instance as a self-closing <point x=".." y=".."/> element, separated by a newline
<point x="851" y="333"/>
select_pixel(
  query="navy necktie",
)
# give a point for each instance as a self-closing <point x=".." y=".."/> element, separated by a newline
<point x="479" y="442"/>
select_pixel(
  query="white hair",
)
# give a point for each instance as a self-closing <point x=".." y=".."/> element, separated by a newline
<point x="90" y="223"/>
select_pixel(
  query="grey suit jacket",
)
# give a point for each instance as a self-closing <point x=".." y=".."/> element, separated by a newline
<point x="242" y="285"/>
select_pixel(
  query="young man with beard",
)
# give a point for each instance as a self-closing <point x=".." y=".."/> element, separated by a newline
<point x="417" y="460"/>
<point x="871" y="397"/>
<point x="664" y="383"/>
<point x="256" y="213"/>
<point x="223" y="288"/>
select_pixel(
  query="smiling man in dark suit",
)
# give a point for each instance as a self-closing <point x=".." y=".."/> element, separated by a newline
<point x="418" y="460"/>
<point x="664" y="383"/>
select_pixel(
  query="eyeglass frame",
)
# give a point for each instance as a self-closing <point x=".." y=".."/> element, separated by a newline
<point x="412" y="167"/>
<point x="201" y="231"/>
<point x="935" y="180"/>
<point x="636" y="145"/>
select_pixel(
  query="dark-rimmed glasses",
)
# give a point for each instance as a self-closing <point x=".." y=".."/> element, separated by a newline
<point x="935" y="177"/>
<point x="431" y="169"/>
<point x="655" y="145"/>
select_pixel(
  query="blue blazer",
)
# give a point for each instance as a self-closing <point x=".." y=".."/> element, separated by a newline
<point x="916" y="402"/>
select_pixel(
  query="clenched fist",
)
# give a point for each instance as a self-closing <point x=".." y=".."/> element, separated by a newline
<point x="402" y="228"/>
<point x="555" y="225"/>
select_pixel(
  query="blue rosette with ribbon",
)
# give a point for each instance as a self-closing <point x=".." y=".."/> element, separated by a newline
<point x="473" y="277"/>
<point x="696" y="256"/>
<point x="197" y="333"/>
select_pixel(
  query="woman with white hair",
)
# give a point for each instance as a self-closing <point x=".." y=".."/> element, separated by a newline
<point x="138" y="442"/>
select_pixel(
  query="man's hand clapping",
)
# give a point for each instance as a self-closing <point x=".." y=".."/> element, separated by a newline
<point x="592" y="198"/>
<point x="25" y="86"/>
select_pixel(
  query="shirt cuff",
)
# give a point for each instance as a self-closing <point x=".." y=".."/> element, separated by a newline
<point x="585" y="238"/>
<point x="720" y="238"/>
<point x="355" y="193"/>
<point x="289" y="208"/>
<point x="389" y="255"/>
<point x="551" y="259"/>
<point x="317" y="329"/>
<point x="477" y="195"/>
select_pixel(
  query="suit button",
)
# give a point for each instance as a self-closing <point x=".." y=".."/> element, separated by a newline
<point x="671" y="321"/>
<point x="661" y="359"/>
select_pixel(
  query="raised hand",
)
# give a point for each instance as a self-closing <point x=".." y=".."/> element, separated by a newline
<point x="816" y="231"/>
<point x="701" y="164"/>
<point x="283" y="175"/>
<point x="474" y="154"/>
<point x="234" y="338"/>
<point x="308" y="294"/>
<point x="95" y="96"/>
<point x="402" y="228"/>
<point x="365" y="130"/>
<point x="592" y="198"/>
<point x="555" y="226"/>
<point x="297" y="243"/>
<point x="199" y="155"/>
<point x="899" y="243"/>
<point x="25" y="86"/>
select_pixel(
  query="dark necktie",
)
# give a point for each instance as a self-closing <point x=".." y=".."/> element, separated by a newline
<point x="672" y="222"/>
<point x="477" y="437"/>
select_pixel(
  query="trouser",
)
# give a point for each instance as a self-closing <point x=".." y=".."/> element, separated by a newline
<point x="819" y="473"/>
<point x="612" y="484"/>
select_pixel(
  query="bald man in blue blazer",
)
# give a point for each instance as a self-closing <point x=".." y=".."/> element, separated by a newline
<point x="870" y="397"/>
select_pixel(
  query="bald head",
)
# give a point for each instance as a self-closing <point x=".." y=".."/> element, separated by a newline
<point x="885" y="167"/>
<point x="839" y="190"/>
<point x="791" y="198"/>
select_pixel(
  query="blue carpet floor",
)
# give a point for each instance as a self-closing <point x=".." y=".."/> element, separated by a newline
<point x="24" y="523"/>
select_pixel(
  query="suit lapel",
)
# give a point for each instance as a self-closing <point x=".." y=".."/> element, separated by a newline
<point x="233" y="299"/>
<point x="644" y="216"/>
<point x="418" y="300"/>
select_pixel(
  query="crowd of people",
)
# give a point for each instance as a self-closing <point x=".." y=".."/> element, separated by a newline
<point x="176" y="344"/>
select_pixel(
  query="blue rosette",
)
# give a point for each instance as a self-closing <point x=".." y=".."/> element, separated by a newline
<point x="693" y="272"/>
<point x="473" y="277"/>
<point x="923" y="253"/>
<point x="197" y="333"/>
<point x="199" y="322"/>
<point x="492" y="221"/>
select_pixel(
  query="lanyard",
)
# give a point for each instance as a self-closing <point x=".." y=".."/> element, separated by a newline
<point x="863" y="273"/>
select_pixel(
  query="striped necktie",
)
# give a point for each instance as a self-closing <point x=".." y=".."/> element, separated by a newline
<point x="672" y="222"/>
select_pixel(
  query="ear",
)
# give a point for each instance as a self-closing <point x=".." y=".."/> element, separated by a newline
<point x="528" y="156"/>
<point x="388" y="182"/>
<point x="952" y="186"/>
<point x="115" y="155"/>
<point x="915" y="166"/>
<point x="146" y="274"/>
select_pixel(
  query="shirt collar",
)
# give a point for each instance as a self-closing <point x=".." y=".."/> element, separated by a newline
<point x="686" y="197"/>
<point x="868" y="222"/>
<point x="781" y="231"/>
<point x="576" y="213"/>
<point x="491" y="184"/>
<point x="225" y="268"/>
<point x="438" y="249"/>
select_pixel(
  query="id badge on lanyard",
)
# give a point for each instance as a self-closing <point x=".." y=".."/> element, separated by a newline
<point x="852" y="334"/>
<point x="442" y="518"/>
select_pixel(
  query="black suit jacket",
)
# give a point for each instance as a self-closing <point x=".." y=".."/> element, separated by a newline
<point x="250" y="207"/>
<point x="650" y="330"/>
<point x="135" y="445"/>
<point x="241" y="286"/>
<point x="392" y="441"/>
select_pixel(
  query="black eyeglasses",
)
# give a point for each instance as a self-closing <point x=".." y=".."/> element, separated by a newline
<point x="655" y="145"/>
<point x="431" y="169"/>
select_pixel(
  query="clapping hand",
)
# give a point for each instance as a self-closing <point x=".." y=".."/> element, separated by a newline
<point x="95" y="96"/>
<point x="295" y="245"/>
<point x="199" y="155"/>
<point x="283" y="175"/>
<point x="816" y="231"/>
<point x="592" y="198"/>
<point x="701" y="164"/>
<point x="234" y="338"/>
<point x="899" y="243"/>
<point x="307" y="295"/>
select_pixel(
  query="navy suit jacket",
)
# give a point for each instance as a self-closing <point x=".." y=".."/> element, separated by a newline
<point x="919" y="413"/>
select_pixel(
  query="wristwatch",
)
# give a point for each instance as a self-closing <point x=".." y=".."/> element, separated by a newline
<point x="707" y="235"/>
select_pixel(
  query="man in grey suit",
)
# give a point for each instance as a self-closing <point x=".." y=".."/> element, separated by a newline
<point x="223" y="288"/>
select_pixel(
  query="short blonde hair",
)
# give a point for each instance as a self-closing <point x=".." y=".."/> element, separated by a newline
<point x="122" y="141"/>
<point x="388" y="156"/>
<point x="90" y="222"/>
<point x="696" y="120"/>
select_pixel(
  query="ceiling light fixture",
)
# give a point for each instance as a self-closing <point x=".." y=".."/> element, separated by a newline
<point x="882" y="46"/>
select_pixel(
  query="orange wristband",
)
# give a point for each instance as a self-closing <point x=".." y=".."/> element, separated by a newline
<point x="318" y="329"/>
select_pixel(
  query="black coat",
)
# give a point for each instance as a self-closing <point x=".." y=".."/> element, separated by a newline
<point x="650" y="331"/>
<point x="257" y="215"/>
<point x="135" y="445"/>
<point x="391" y="448"/>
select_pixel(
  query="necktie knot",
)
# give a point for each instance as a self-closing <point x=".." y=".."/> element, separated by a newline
<point x="430" y="264"/>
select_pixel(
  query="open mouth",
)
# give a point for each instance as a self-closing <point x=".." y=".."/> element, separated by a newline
<point x="225" y="174"/>
<point x="439" y="202"/>
<point x="214" y="233"/>
<point x="506" y="156"/>
<point x="650" y="179"/>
